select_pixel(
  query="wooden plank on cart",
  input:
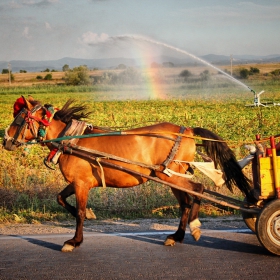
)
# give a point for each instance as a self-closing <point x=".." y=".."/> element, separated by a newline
<point x="267" y="177"/>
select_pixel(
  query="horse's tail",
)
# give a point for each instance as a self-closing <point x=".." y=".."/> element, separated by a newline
<point x="224" y="157"/>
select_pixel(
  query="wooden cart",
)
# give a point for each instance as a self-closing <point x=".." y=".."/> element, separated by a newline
<point x="266" y="180"/>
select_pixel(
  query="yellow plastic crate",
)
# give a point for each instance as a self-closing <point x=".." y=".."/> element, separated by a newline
<point x="267" y="177"/>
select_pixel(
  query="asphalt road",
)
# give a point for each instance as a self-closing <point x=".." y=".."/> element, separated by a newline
<point x="217" y="255"/>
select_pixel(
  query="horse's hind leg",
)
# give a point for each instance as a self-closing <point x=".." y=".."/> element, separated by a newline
<point x="184" y="202"/>
<point x="185" y="205"/>
<point x="194" y="222"/>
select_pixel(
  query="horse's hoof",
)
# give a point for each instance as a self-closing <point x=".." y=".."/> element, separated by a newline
<point x="67" y="248"/>
<point x="90" y="215"/>
<point x="196" y="233"/>
<point x="169" y="242"/>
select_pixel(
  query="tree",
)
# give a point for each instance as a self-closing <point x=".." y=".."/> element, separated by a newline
<point x="168" y="64"/>
<point x="5" y="71"/>
<point x="77" y="76"/>
<point x="205" y="75"/>
<point x="185" y="74"/>
<point x="121" y="66"/>
<point x="65" y="68"/>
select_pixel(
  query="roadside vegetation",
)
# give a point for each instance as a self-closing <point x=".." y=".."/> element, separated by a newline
<point x="122" y="99"/>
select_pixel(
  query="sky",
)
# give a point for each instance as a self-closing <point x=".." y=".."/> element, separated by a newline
<point x="54" y="29"/>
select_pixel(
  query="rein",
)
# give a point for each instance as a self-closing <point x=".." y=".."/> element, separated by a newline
<point x="119" y="133"/>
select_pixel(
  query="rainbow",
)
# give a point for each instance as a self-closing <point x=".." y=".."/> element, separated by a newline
<point x="156" y="89"/>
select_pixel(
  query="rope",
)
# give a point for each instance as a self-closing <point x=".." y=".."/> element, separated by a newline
<point x="266" y="139"/>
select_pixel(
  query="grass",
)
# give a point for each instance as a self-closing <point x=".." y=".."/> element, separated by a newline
<point x="28" y="189"/>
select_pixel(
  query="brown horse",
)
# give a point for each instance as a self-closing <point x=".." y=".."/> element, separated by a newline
<point x="147" y="151"/>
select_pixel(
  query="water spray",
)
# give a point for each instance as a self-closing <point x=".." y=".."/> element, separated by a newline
<point x="144" y="39"/>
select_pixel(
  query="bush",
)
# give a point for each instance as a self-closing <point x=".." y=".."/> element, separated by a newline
<point x="244" y="73"/>
<point x="254" y="70"/>
<point x="39" y="77"/>
<point x="275" y="72"/>
<point x="48" y="77"/>
<point x="128" y="76"/>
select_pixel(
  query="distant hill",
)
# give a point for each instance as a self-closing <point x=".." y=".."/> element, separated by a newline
<point x="240" y="59"/>
<point x="111" y="63"/>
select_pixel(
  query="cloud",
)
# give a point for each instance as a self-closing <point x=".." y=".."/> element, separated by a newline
<point x="242" y="13"/>
<point x="48" y="26"/>
<point x="26" y="34"/>
<point x="90" y="38"/>
<point x="38" y="3"/>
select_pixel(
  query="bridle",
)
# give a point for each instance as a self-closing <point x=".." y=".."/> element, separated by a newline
<point x="26" y="119"/>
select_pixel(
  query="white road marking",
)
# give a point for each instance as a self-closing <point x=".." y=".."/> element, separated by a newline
<point x="86" y="234"/>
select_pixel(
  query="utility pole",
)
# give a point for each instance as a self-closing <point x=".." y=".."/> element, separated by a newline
<point x="9" y="69"/>
<point x="231" y="64"/>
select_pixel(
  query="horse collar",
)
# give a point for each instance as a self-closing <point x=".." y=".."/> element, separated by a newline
<point x="173" y="151"/>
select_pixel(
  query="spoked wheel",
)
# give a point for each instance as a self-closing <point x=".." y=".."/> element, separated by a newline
<point x="250" y="219"/>
<point x="268" y="227"/>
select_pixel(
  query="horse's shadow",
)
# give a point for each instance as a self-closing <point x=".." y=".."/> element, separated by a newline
<point x="39" y="242"/>
<point x="208" y="242"/>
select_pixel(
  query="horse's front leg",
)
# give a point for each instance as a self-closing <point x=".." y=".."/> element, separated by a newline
<point x="184" y="202"/>
<point x="61" y="199"/>
<point x="62" y="196"/>
<point x="81" y="202"/>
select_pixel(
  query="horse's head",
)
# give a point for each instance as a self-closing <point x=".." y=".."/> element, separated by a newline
<point x="30" y="120"/>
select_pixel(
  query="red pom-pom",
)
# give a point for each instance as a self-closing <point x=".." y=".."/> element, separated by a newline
<point x="19" y="104"/>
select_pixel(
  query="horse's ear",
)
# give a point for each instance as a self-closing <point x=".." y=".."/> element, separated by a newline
<point x="30" y="98"/>
<point x="27" y="103"/>
<point x="20" y="104"/>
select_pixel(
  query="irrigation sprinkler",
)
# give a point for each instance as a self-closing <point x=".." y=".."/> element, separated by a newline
<point x="257" y="101"/>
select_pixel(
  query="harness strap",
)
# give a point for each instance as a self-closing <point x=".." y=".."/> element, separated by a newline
<point x="112" y="157"/>
<point x="173" y="152"/>
<point x="102" y="173"/>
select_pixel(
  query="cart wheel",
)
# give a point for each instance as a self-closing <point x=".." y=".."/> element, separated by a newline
<point x="250" y="219"/>
<point x="268" y="227"/>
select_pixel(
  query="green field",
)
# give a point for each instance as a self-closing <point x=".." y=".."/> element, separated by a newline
<point x="28" y="189"/>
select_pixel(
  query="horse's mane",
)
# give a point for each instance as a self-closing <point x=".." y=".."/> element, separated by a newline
<point x="68" y="112"/>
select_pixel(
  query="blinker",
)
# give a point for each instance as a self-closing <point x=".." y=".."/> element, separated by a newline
<point x="19" y="120"/>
